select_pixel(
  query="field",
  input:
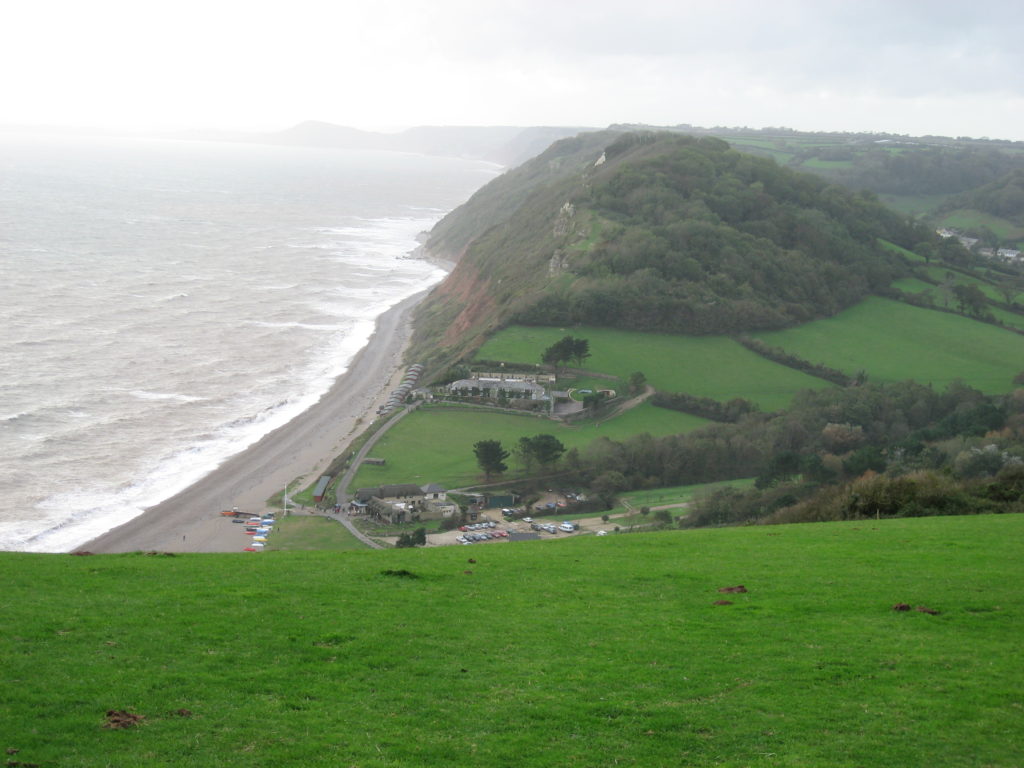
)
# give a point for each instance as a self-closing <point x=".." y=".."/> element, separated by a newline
<point x="966" y="218"/>
<point x="584" y="652"/>
<point x="435" y="445"/>
<point x="299" y="532"/>
<point x="707" y="366"/>
<point x="894" y="342"/>
<point x="913" y="285"/>
<point x="680" y="493"/>
<point x="913" y="205"/>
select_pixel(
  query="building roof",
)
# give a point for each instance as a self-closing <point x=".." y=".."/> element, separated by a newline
<point x="507" y="384"/>
<point x="400" y="489"/>
<point x="433" y="488"/>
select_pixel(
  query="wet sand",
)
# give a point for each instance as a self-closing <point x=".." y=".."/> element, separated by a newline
<point x="303" y="448"/>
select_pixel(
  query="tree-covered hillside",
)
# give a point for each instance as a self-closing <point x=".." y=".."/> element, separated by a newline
<point x="656" y="231"/>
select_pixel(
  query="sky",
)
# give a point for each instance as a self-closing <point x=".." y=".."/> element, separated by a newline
<point x="900" y="66"/>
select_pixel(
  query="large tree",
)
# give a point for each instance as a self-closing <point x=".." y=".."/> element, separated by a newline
<point x="491" y="457"/>
<point x="544" y="449"/>
<point x="565" y="349"/>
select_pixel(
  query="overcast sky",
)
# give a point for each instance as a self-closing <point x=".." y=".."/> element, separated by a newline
<point x="902" y="66"/>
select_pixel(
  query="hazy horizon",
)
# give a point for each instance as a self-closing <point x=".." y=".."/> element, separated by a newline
<point x="913" y="67"/>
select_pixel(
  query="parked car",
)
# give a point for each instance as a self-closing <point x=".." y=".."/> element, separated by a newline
<point x="527" y="519"/>
<point x="567" y="527"/>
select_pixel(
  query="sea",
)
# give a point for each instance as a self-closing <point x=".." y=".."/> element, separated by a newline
<point x="164" y="304"/>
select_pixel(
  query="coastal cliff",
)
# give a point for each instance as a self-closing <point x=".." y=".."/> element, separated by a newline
<point x="654" y="231"/>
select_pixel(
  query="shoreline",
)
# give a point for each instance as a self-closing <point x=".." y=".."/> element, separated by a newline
<point x="190" y="521"/>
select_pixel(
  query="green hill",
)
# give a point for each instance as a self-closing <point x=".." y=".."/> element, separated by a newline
<point x="658" y="232"/>
<point x="590" y="652"/>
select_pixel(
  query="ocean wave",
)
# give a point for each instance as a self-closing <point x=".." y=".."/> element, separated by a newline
<point x="176" y="324"/>
<point x="144" y="395"/>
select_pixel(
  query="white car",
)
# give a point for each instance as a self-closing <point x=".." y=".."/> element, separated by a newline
<point x="527" y="519"/>
<point x="567" y="527"/>
<point x="602" y="533"/>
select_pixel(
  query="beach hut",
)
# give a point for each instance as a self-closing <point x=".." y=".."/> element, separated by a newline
<point x="321" y="488"/>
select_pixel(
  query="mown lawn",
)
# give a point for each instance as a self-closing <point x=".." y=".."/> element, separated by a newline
<point x="707" y="366"/>
<point x="893" y="341"/>
<point x="435" y="445"/>
<point x="592" y="651"/>
<point x="308" y="532"/>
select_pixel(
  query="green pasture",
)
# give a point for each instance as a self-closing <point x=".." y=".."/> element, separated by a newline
<point x="590" y="651"/>
<point x="308" y="532"/>
<point x="680" y="494"/>
<point x="910" y="255"/>
<point x="706" y="366"/>
<point x="913" y="285"/>
<point x="435" y="445"/>
<point x="1010" y="319"/>
<point x="941" y="275"/>
<point x="894" y="341"/>
<point x="968" y="218"/>
<point x="827" y="165"/>
<point x="913" y="205"/>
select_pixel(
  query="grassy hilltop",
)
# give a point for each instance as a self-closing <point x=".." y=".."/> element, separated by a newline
<point x="590" y="652"/>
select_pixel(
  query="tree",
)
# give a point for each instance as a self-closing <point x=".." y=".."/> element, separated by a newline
<point x="580" y="350"/>
<point x="564" y="350"/>
<point x="524" y="452"/>
<point x="607" y="484"/>
<point x="544" y="449"/>
<point x="415" y="539"/>
<point x="491" y="457"/>
<point x="636" y="383"/>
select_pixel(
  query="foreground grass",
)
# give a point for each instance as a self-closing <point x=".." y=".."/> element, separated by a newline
<point x="706" y="366"/>
<point x="894" y="342"/>
<point x="589" y="652"/>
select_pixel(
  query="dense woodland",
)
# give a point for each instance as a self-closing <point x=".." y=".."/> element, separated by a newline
<point x="913" y="169"/>
<point x="863" y="451"/>
<point x="698" y="238"/>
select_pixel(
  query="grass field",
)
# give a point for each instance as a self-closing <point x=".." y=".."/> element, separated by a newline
<point x="707" y="366"/>
<point x="436" y="445"/>
<point x="913" y="205"/>
<point x="940" y="274"/>
<point x="680" y="493"/>
<point x="910" y="255"/>
<point x="967" y="218"/>
<point x="299" y="532"/>
<point x="894" y="342"/>
<point x="585" y="652"/>
<point x="913" y="285"/>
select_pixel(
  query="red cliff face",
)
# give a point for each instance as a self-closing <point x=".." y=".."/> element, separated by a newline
<point x="465" y="288"/>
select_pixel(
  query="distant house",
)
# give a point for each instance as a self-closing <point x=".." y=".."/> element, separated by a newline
<point x="434" y="492"/>
<point x="405" y="503"/>
<point x="496" y="388"/>
<point x="436" y="504"/>
<point x="540" y="378"/>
